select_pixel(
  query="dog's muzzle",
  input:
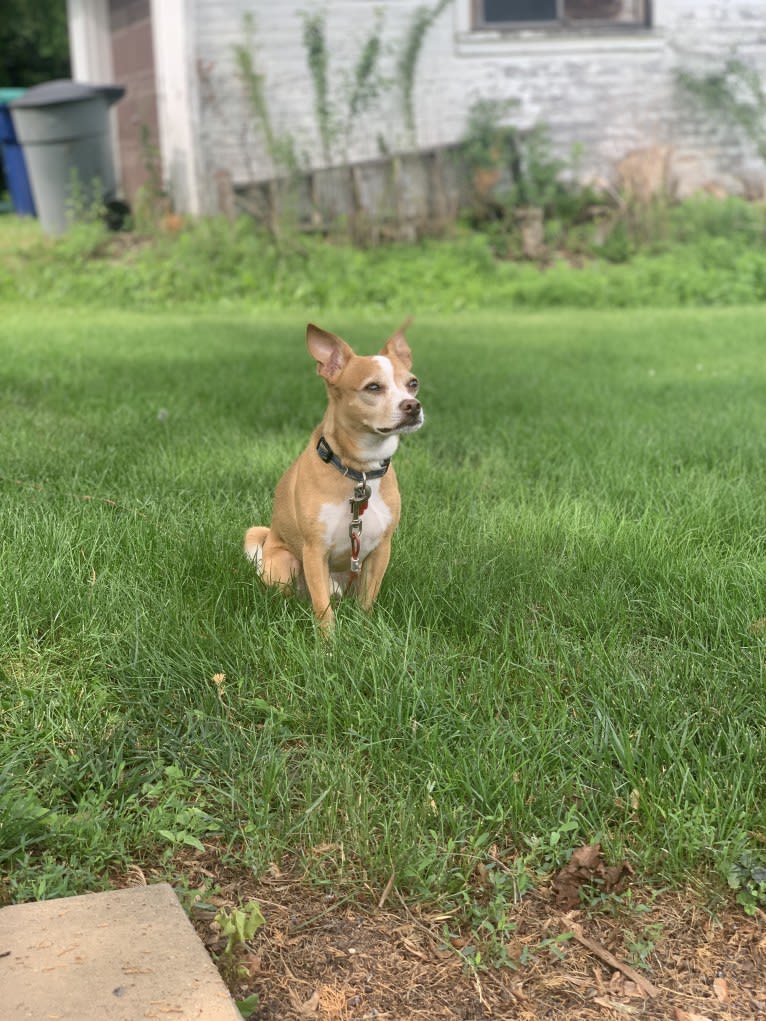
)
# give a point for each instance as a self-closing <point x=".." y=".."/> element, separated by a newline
<point x="412" y="419"/>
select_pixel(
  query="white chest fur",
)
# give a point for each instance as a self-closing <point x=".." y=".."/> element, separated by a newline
<point x="336" y="517"/>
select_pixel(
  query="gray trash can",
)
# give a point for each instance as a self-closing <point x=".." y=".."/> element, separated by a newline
<point x="63" y="127"/>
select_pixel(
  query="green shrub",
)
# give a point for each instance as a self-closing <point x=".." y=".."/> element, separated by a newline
<point x="730" y="218"/>
<point x="712" y="254"/>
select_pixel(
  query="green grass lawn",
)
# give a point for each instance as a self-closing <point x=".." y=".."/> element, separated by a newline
<point x="568" y="647"/>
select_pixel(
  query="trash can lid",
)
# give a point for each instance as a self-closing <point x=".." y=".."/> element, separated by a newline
<point x="64" y="91"/>
<point x="7" y="95"/>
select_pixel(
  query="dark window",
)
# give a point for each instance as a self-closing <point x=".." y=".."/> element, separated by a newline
<point x="510" y="13"/>
<point x="519" y="10"/>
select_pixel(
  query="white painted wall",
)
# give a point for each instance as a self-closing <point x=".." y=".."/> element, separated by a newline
<point x="90" y="54"/>
<point x="174" y="38"/>
<point x="608" y="92"/>
<point x="90" y="48"/>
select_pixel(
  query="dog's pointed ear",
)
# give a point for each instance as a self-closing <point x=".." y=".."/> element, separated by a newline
<point x="396" y="346"/>
<point x="331" y="353"/>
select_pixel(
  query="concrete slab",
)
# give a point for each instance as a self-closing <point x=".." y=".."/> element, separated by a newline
<point x="124" y="955"/>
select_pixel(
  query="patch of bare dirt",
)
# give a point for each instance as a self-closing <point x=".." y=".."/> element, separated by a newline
<point x="329" y="957"/>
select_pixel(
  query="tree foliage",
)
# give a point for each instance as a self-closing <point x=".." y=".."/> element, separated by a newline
<point x="34" y="42"/>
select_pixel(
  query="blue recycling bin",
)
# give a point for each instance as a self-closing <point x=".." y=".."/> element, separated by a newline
<point x="13" y="157"/>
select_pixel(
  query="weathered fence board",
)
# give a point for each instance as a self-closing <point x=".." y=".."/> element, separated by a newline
<point x="404" y="195"/>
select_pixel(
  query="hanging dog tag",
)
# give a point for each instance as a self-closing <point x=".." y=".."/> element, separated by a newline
<point x="359" y="500"/>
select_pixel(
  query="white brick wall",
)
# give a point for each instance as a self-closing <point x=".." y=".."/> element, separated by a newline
<point x="611" y="93"/>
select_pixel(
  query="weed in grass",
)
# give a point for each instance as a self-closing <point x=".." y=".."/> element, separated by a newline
<point x="248" y="1006"/>
<point x="198" y="898"/>
<point x="748" y="878"/>
<point x="551" y="851"/>
<point x="487" y="910"/>
<point x="178" y="822"/>
<point x="237" y="926"/>
<point x="643" y="944"/>
<point x="48" y="875"/>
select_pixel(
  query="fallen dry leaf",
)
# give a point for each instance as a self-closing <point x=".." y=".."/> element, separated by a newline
<point x="721" y="989"/>
<point x="619" y="985"/>
<point x="387" y="890"/>
<point x="253" y="964"/>
<point x="620" y="1008"/>
<point x="586" y="868"/>
<point x="310" y="1006"/>
<point x="410" y="947"/>
<point x="684" y="1015"/>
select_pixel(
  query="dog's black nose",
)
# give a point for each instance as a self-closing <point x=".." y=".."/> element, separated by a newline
<point x="410" y="407"/>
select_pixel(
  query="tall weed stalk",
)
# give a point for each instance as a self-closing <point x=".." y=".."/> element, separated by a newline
<point x="315" y="44"/>
<point x="733" y="95"/>
<point x="422" y="20"/>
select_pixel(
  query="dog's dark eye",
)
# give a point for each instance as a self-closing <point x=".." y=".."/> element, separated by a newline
<point x="413" y="385"/>
<point x="373" y="387"/>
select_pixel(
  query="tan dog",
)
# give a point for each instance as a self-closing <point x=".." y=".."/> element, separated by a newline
<point x="336" y="507"/>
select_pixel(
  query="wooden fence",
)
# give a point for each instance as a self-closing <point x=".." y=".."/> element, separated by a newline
<point x="397" y="197"/>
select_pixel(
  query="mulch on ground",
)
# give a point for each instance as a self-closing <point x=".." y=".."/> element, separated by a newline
<point x="329" y="957"/>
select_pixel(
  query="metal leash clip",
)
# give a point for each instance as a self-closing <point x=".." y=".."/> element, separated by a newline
<point x="358" y="502"/>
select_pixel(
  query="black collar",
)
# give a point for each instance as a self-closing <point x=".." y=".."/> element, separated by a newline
<point x="327" y="454"/>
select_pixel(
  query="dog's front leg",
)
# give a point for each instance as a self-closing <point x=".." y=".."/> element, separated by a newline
<point x="316" y="571"/>
<point x="373" y="569"/>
